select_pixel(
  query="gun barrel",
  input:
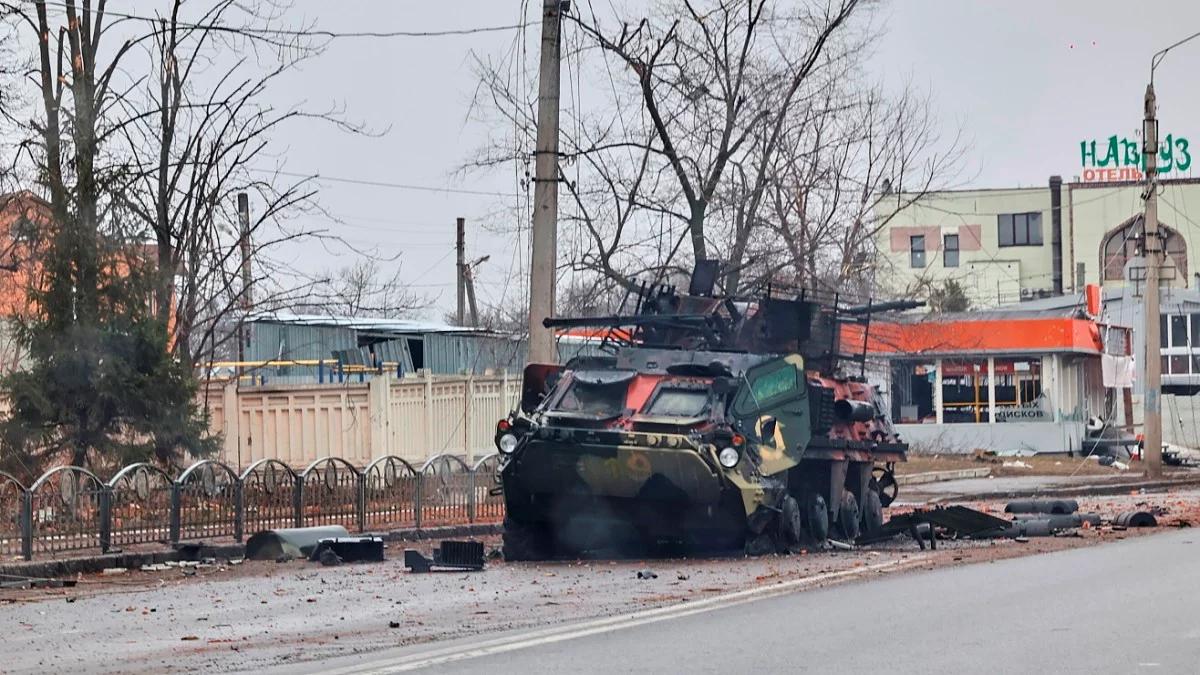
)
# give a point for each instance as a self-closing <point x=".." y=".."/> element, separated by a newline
<point x="890" y="306"/>
<point x="618" y="321"/>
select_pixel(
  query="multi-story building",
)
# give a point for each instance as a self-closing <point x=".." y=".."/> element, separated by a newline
<point x="1006" y="245"/>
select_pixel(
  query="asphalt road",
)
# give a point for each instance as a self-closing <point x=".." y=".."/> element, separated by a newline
<point x="1125" y="607"/>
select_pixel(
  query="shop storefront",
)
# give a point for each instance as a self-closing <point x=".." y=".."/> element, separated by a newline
<point x="1003" y="380"/>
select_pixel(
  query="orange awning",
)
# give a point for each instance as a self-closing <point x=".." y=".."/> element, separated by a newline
<point x="1033" y="335"/>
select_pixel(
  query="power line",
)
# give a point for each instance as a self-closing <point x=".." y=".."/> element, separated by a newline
<point x="333" y="35"/>
<point x="384" y="184"/>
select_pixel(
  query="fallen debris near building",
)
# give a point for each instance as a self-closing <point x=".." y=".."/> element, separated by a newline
<point x="15" y="582"/>
<point x="296" y="542"/>
<point x="1136" y="519"/>
<point x="348" y="549"/>
<point x="959" y="519"/>
<point x="457" y="555"/>
<point x="1051" y="506"/>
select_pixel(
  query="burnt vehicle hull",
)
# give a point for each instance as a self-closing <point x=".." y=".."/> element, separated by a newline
<point x="715" y="425"/>
<point x="582" y="499"/>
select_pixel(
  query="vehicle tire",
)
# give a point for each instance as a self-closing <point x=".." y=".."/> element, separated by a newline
<point x="791" y="526"/>
<point x="872" y="513"/>
<point x="816" y="517"/>
<point x="848" y="516"/>
<point x="525" y="541"/>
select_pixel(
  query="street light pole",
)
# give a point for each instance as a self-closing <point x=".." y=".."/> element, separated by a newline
<point x="1152" y="245"/>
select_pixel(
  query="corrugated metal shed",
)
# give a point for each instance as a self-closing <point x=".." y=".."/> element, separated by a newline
<point x="439" y="348"/>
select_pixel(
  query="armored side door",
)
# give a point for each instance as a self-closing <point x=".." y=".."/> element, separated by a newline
<point x="772" y="405"/>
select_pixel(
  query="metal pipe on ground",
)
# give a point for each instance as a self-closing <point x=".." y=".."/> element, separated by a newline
<point x="294" y="542"/>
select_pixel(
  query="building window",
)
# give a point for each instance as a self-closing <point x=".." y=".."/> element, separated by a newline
<point x="912" y="392"/>
<point x="1179" y="330"/>
<point x="1019" y="396"/>
<point x="950" y="251"/>
<point x="1124" y="242"/>
<point x="964" y="392"/>
<point x="917" y="251"/>
<point x="1020" y="229"/>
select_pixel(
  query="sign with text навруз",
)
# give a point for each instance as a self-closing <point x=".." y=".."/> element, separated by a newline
<point x="1120" y="159"/>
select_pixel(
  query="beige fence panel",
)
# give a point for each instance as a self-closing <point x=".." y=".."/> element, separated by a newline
<point x="449" y="411"/>
<point x="407" y="420"/>
<point x="412" y="417"/>
<point x="299" y="423"/>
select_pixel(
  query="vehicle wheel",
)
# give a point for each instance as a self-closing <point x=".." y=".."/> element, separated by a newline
<point x="525" y="541"/>
<point x="886" y="484"/>
<point x="791" y="527"/>
<point x="816" y="516"/>
<point x="848" y="516"/>
<point x="872" y="513"/>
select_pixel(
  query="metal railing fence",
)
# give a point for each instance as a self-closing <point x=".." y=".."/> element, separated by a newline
<point x="71" y="509"/>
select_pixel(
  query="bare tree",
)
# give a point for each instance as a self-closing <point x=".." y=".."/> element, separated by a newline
<point x="362" y="290"/>
<point x="199" y="135"/>
<point x="743" y="130"/>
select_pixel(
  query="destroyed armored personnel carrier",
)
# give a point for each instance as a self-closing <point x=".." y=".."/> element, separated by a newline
<point x="710" y="423"/>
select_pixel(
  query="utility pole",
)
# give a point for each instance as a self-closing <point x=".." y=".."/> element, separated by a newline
<point x="460" y="246"/>
<point x="1152" y="245"/>
<point x="469" y="273"/>
<point x="544" y="257"/>
<point x="243" y="206"/>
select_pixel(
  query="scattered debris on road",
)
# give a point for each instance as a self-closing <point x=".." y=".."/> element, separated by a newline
<point x="295" y="542"/>
<point x="459" y="555"/>
<point x="1051" y="506"/>
<point x="647" y="574"/>
<point x="1136" y="519"/>
<point x="349" y="549"/>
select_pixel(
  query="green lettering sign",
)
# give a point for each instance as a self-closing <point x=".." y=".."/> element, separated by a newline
<point x="1117" y="152"/>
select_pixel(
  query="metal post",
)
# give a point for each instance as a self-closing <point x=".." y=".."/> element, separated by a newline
<point x="105" y="518"/>
<point x="27" y="525"/>
<point x="417" y="500"/>
<point x="239" y="510"/>
<point x="298" y="502"/>
<point x="545" y="190"/>
<point x="174" y="519"/>
<point x="471" y="506"/>
<point x="1152" y="415"/>
<point x="361" y="481"/>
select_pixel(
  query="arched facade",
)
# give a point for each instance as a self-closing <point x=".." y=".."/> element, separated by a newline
<point x="1123" y="242"/>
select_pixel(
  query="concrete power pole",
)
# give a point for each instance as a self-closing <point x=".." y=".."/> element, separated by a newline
<point x="243" y="203"/>
<point x="1152" y="245"/>
<point x="243" y="206"/>
<point x="544" y="257"/>
<point x="460" y="246"/>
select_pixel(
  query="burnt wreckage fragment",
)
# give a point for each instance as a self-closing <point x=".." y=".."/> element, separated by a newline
<point x="706" y="422"/>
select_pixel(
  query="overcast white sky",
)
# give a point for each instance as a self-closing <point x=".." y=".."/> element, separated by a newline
<point x="1025" y="81"/>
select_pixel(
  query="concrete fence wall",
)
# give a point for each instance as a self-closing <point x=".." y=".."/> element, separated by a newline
<point x="412" y="417"/>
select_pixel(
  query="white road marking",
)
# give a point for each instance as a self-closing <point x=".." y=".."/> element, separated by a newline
<point x="545" y="636"/>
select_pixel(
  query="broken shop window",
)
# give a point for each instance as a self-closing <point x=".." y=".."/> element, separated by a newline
<point x="912" y="392"/>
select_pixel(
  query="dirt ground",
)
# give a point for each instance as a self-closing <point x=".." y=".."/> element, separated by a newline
<point x="252" y="615"/>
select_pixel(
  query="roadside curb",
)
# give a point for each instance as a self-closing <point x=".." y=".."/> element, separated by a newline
<point x="939" y="476"/>
<point x="1092" y="490"/>
<point x="133" y="560"/>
